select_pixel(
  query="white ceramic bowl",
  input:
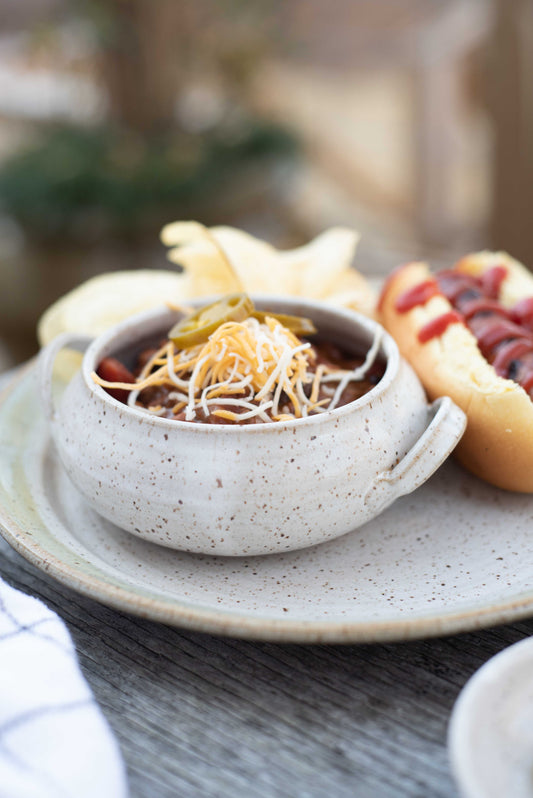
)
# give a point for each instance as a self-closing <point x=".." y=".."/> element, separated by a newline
<point x="250" y="489"/>
<point x="490" y="734"/>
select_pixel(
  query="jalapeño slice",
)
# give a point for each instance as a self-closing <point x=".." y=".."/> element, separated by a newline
<point x="299" y="325"/>
<point x="196" y="328"/>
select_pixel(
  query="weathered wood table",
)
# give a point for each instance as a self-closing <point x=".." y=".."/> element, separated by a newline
<point x="197" y="715"/>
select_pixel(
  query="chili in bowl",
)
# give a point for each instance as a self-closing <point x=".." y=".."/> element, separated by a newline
<point x="229" y="363"/>
<point x="282" y="425"/>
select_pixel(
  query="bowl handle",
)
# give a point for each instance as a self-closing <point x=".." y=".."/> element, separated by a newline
<point x="45" y="365"/>
<point x="446" y="424"/>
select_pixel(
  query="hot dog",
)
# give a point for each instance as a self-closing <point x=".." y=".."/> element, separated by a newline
<point x="468" y="333"/>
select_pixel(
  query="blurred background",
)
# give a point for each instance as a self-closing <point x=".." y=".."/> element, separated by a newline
<point x="410" y="120"/>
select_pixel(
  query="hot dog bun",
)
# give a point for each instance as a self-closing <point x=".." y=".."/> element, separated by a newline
<point x="498" y="443"/>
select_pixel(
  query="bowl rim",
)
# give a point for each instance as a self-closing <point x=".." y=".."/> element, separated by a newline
<point x="104" y="341"/>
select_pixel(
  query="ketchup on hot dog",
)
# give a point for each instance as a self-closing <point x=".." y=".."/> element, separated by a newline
<point x="505" y="337"/>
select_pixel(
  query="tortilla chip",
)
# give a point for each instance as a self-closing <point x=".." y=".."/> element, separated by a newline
<point x="215" y="261"/>
<point x="320" y="269"/>
<point x="103" y="301"/>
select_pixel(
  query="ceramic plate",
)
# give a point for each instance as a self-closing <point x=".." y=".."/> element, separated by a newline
<point x="453" y="556"/>
<point x="491" y="728"/>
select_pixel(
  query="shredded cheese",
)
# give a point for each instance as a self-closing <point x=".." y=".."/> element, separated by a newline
<point x="245" y="369"/>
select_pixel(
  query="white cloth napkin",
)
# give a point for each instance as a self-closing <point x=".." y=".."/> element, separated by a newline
<point x="54" y="740"/>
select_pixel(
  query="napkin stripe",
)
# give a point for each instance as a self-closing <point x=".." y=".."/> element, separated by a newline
<point x="15" y="621"/>
<point x="30" y="627"/>
<point x="38" y="712"/>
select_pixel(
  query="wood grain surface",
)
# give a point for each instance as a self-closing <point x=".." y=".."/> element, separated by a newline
<point x="202" y="716"/>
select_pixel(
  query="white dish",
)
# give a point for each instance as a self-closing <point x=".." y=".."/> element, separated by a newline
<point x="453" y="556"/>
<point x="491" y="727"/>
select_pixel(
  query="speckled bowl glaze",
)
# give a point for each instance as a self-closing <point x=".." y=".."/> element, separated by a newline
<point x="251" y="489"/>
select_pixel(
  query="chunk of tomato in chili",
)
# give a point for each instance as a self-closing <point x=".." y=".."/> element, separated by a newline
<point x="112" y="370"/>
